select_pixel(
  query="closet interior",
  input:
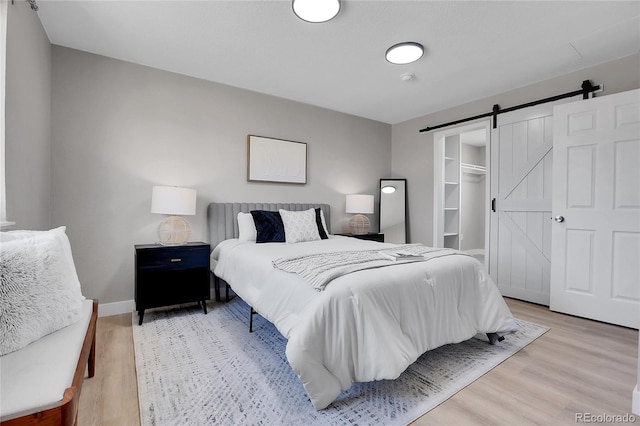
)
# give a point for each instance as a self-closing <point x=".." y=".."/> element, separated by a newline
<point x="464" y="192"/>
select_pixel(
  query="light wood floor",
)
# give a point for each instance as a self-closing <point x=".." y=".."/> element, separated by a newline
<point x="578" y="366"/>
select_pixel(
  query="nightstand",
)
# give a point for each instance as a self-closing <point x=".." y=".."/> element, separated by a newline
<point x="370" y="236"/>
<point x="170" y="275"/>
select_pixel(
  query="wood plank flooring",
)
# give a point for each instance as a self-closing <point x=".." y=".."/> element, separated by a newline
<point x="579" y="366"/>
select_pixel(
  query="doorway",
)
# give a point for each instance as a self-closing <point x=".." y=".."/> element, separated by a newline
<point x="460" y="189"/>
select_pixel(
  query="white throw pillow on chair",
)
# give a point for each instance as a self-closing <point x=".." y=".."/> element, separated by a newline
<point x="39" y="288"/>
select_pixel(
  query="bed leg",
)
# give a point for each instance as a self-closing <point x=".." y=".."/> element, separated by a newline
<point x="494" y="338"/>
<point x="216" y="287"/>
<point x="251" y="314"/>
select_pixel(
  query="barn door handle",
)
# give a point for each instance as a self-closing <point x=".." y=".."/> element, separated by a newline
<point x="493" y="205"/>
<point x="559" y="219"/>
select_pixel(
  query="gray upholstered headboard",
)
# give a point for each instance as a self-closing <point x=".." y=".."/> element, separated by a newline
<point x="223" y="223"/>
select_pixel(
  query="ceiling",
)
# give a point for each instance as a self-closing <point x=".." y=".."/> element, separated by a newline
<point x="473" y="49"/>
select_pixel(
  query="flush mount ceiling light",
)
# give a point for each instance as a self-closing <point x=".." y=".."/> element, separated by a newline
<point x="316" y="10"/>
<point x="404" y="53"/>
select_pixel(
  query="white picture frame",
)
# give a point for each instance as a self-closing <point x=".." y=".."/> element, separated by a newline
<point x="276" y="160"/>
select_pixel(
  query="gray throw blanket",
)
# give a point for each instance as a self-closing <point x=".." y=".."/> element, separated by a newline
<point x="319" y="269"/>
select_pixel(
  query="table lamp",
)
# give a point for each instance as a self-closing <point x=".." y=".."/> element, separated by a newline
<point x="174" y="201"/>
<point x="360" y="204"/>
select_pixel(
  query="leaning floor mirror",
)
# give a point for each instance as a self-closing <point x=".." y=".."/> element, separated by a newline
<point x="393" y="218"/>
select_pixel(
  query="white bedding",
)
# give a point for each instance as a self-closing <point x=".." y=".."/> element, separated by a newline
<point x="367" y="325"/>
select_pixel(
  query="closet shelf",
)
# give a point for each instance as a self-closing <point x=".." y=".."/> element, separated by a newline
<point x="451" y="183"/>
<point x="450" y="234"/>
<point x="473" y="168"/>
<point x="450" y="208"/>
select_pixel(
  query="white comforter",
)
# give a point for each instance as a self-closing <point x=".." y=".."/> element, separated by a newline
<point x="367" y="325"/>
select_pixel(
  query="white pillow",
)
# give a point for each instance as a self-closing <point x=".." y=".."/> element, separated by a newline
<point x="59" y="234"/>
<point x="300" y="226"/>
<point x="246" y="227"/>
<point x="39" y="288"/>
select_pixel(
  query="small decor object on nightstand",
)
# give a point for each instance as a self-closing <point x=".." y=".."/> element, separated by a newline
<point x="361" y="204"/>
<point x="172" y="200"/>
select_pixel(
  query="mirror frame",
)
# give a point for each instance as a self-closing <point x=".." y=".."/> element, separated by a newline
<point x="380" y="194"/>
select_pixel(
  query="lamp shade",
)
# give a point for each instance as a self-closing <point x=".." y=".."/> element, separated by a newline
<point x="359" y="203"/>
<point x="173" y="200"/>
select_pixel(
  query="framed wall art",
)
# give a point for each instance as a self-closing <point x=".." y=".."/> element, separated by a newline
<point x="276" y="160"/>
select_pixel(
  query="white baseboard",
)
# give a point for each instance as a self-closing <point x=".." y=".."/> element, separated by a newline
<point x="635" y="408"/>
<point x="116" y="308"/>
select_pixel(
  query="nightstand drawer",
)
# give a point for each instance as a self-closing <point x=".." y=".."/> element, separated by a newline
<point x="173" y="258"/>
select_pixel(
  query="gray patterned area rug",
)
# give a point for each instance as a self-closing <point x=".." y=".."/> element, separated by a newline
<point x="196" y="369"/>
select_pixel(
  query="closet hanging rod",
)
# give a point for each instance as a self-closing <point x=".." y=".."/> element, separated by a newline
<point x="587" y="88"/>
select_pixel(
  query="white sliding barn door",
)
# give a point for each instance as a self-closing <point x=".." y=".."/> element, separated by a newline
<point x="595" y="271"/>
<point x="520" y="229"/>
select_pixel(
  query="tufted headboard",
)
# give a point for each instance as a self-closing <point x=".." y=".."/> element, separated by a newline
<point x="223" y="223"/>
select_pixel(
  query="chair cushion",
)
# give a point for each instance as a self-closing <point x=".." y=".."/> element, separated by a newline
<point x="35" y="377"/>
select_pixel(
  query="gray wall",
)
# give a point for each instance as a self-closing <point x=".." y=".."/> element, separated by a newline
<point x="120" y="128"/>
<point x="28" y="119"/>
<point x="412" y="152"/>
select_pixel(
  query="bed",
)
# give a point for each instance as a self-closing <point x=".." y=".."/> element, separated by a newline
<point x="366" y="325"/>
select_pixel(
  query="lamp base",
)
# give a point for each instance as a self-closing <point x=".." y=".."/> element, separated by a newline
<point x="359" y="224"/>
<point x="174" y="231"/>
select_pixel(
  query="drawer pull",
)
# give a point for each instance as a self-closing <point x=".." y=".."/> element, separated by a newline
<point x="176" y="260"/>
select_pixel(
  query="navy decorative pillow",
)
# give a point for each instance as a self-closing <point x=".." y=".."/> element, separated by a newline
<point x="320" y="222"/>
<point x="269" y="226"/>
